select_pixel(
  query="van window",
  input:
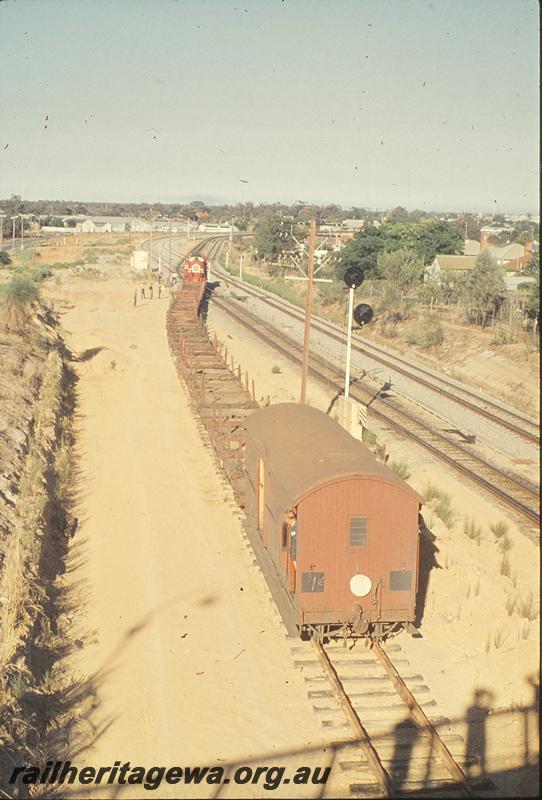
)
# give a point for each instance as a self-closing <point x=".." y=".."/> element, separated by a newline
<point x="358" y="532"/>
<point x="284" y="535"/>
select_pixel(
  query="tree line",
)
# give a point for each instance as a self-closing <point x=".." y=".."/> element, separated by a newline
<point x="395" y="257"/>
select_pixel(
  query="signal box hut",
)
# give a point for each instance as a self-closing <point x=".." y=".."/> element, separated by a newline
<point x="340" y="527"/>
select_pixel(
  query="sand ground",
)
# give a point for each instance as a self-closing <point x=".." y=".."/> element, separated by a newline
<point x="179" y="636"/>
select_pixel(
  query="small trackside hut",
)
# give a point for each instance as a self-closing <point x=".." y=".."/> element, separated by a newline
<point x="341" y="529"/>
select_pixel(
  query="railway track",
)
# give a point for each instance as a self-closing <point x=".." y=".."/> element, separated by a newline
<point x="401" y="745"/>
<point x="513" y="421"/>
<point x="512" y="491"/>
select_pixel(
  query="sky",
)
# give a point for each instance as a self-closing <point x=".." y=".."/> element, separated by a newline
<point x="429" y="104"/>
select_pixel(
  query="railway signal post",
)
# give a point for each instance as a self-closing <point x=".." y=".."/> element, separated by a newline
<point x="353" y="278"/>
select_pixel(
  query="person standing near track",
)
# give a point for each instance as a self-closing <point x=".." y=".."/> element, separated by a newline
<point x="135" y="297"/>
<point x="142" y="287"/>
<point x="151" y="290"/>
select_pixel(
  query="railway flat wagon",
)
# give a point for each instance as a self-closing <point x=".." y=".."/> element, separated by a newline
<point x="341" y="529"/>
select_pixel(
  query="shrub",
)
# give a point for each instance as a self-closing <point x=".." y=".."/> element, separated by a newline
<point x="39" y="274"/>
<point x="369" y="437"/>
<point x="276" y="370"/>
<point x="503" y="336"/>
<point x="21" y="291"/>
<point x="5" y="260"/>
<point x="429" y="333"/>
<point x="330" y="293"/>
<point x="18" y="297"/>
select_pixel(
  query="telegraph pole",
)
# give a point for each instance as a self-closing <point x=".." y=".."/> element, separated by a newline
<point x="308" y="311"/>
<point x="2" y="229"/>
<point x="169" y="262"/>
<point x="13" y="238"/>
<point x="151" y="217"/>
<point x="150" y="242"/>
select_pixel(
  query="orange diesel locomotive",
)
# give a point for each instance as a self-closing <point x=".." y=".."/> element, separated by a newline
<point x="195" y="269"/>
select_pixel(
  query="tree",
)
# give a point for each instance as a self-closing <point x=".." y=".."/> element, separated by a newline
<point x="273" y="237"/>
<point x="485" y="288"/>
<point x="398" y="214"/>
<point x="362" y="252"/>
<point x="402" y="269"/>
<point x="533" y="302"/>
<point x="470" y="225"/>
<point x="439" y="236"/>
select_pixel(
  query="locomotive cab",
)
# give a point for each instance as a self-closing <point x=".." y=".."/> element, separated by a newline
<point x="195" y="269"/>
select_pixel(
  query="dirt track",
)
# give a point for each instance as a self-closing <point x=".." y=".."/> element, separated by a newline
<point x="178" y="631"/>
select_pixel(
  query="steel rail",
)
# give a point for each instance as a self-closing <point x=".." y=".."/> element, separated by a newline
<point x="418" y="715"/>
<point x="394" y="362"/>
<point x="421" y="719"/>
<point x="290" y="349"/>
<point x="382" y="777"/>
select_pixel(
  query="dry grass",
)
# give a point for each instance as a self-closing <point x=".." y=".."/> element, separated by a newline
<point x="526" y="607"/>
<point x="69" y="250"/>
<point x="368" y="436"/>
<point x="510" y="604"/>
<point x="505" y="566"/>
<point x="21" y="595"/>
<point x="524" y="632"/>
<point x="440" y="502"/>
<point x="499" y="529"/>
<point x="401" y="469"/>
<point x="505" y="544"/>
<point x="495" y="640"/>
<point x="472" y="530"/>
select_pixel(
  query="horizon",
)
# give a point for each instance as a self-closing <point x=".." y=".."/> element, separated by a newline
<point x="211" y="203"/>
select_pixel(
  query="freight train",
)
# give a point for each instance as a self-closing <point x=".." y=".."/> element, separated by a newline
<point x="337" y="529"/>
